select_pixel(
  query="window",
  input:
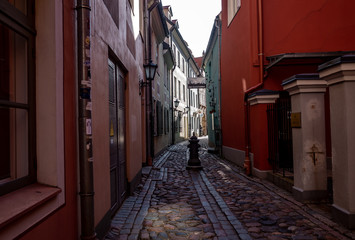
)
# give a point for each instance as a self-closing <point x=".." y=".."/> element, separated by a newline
<point x="177" y="123"/>
<point x="159" y="118"/>
<point x="166" y="75"/>
<point x="179" y="89"/>
<point x="166" y="120"/>
<point x="183" y="92"/>
<point x="180" y="124"/>
<point x="193" y="123"/>
<point x="155" y="117"/>
<point x="158" y="87"/>
<point x="174" y="49"/>
<point x="17" y="99"/>
<point x="178" y="58"/>
<point x="175" y="86"/>
<point x="187" y="94"/>
<point x="233" y="8"/>
<point x="183" y="65"/>
<point x="168" y="80"/>
<point x="45" y="143"/>
<point x="113" y="8"/>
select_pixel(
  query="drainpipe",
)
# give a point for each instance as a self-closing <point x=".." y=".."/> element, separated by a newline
<point x="85" y="133"/>
<point x="172" y="106"/>
<point x="172" y="91"/>
<point x="150" y="94"/>
<point x="261" y="50"/>
<point x="172" y="88"/>
<point x="189" y="104"/>
<point x="247" y="163"/>
<point x="146" y="103"/>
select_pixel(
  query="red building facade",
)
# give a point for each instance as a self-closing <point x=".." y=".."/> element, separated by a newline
<point x="263" y="44"/>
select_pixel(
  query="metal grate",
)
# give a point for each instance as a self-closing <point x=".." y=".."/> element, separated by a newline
<point x="280" y="134"/>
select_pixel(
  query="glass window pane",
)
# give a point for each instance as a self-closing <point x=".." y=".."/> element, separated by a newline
<point x="13" y="66"/>
<point x="13" y="144"/>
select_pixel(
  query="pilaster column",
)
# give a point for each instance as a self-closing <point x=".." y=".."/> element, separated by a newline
<point x="340" y="76"/>
<point x="258" y="130"/>
<point x="308" y="136"/>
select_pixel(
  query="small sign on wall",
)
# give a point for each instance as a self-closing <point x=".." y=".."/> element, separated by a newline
<point x="296" y="120"/>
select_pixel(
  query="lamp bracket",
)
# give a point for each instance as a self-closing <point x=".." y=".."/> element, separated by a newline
<point x="141" y="85"/>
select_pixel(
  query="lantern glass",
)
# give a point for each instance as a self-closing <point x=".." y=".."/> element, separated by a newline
<point x="176" y="103"/>
<point x="150" y="70"/>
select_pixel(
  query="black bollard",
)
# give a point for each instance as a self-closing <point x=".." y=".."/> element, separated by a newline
<point x="194" y="162"/>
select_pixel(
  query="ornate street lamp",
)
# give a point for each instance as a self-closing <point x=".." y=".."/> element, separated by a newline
<point x="176" y="103"/>
<point x="150" y="69"/>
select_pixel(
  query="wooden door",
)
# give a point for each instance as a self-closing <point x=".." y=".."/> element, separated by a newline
<point x="118" y="174"/>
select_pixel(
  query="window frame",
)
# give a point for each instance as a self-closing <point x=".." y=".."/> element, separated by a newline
<point x="23" y="25"/>
<point x="178" y="58"/>
<point x="179" y="89"/>
<point x="175" y="86"/>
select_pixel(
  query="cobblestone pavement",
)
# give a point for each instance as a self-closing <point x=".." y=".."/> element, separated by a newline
<point x="219" y="202"/>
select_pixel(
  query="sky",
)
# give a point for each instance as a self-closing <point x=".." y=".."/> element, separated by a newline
<point x="196" y="18"/>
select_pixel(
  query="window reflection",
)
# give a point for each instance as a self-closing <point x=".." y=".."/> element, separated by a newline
<point x="13" y="105"/>
<point x="13" y="66"/>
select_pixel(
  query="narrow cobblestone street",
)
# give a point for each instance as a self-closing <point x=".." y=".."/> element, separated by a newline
<point x="219" y="202"/>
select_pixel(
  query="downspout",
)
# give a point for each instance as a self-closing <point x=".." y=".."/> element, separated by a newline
<point x="146" y="102"/>
<point x="172" y="89"/>
<point x="198" y="106"/>
<point x="85" y="134"/>
<point x="189" y="103"/>
<point x="247" y="163"/>
<point x="172" y="105"/>
<point x="150" y="109"/>
<point x="261" y="50"/>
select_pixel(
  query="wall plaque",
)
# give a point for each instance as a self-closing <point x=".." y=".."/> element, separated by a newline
<point x="296" y="120"/>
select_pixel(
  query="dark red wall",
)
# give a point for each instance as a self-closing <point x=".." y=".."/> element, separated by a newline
<point x="259" y="137"/>
<point x="308" y="26"/>
<point x="293" y="26"/>
<point x="238" y="53"/>
<point x="63" y="224"/>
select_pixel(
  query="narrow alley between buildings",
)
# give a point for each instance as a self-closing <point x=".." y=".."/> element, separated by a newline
<point x="218" y="202"/>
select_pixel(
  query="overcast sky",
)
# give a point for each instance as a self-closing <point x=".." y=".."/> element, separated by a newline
<point x="196" y="18"/>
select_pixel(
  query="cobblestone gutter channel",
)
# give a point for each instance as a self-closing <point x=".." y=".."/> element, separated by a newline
<point x="216" y="203"/>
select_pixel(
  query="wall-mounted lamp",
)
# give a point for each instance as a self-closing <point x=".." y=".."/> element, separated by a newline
<point x="176" y="104"/>
<point x="150" y="70"/>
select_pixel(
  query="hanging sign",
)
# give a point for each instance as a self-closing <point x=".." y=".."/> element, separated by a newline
<point x="198" y="82"/>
